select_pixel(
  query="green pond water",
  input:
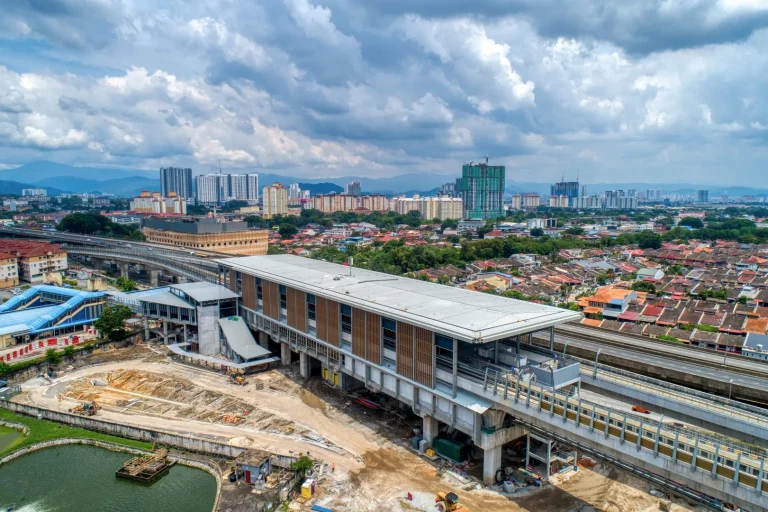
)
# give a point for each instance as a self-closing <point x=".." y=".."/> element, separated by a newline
<point x="8" y="438"/>
<point x="80" y="478"/>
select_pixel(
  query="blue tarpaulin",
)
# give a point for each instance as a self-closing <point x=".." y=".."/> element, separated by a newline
<point x="318" y="508"/>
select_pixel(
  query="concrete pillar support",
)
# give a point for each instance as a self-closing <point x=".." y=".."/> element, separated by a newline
<point x="491" y="462"/>
<point x="264" y="339"/>
<point x="146" y="328"/>
<point x="304" y="364"/>
<point x="165" y="332"/>
<point x="430" y="429"/>
<point x="185" y="334"/>
<point x="154" y="278"/>
<point x="285" y="354"/>
<point x="123" y="269"/>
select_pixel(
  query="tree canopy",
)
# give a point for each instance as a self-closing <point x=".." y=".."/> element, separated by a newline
<point x="111" y="322"/>
<point x="93" y="223"/>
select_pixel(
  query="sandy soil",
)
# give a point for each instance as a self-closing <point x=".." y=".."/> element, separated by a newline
<point x="374" y="472"/>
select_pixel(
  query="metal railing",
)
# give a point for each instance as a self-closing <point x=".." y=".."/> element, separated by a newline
<point x="758" y="414"/>
<point x="500" y="384"/>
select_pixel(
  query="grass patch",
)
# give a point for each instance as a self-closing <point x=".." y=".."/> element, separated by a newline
<point x="41" y="430"/>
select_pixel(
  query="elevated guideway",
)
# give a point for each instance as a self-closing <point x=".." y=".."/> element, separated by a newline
<point x="695" y="463"/>
<point x="700" y="409"/>
<point x="686" y="366"/>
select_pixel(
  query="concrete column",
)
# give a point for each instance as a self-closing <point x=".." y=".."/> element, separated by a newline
<point x="97" y="263"/>
<point x="491" y="462"/>
<point x="185" y="334"/>
<point x="264" y="339"/>
<point x="165" y="332"/>
<point x="455" y="366"/>
<point x="123" y="269"/>
<point x="154" y="278"/>
<point x="430" y="429"/>
<point x="146" y="328"/>
<point x="285" y="354"/>
<point x="304" y="364"/>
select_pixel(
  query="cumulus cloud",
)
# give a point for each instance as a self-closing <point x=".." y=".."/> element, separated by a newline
<point x="333" y="87"/>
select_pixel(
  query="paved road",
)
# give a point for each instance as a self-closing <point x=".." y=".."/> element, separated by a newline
<point x="669" y="361"/>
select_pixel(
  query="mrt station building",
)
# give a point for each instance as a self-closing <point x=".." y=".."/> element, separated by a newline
<point x="430" y="346"/>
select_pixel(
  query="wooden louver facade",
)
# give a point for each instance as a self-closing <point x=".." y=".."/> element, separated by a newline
<point x="423" y="350"/>
<point x="248" y="292"/>
<point x="270" y="299"/>
<point x="297" y="309"/>
<point x="358" y="332"/>
<point x="372" y="337"/>
<point x="405" y="349"/>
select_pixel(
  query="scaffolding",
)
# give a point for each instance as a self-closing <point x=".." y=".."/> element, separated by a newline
<point x="146" y="468"/>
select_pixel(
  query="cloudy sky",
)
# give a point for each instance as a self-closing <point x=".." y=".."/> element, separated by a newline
<point x="637" y="90"/>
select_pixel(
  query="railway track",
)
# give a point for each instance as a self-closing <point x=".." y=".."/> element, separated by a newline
<point x="698" y="356"/>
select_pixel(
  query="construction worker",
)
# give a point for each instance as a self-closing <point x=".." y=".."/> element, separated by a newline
<point x="333" y="467"/>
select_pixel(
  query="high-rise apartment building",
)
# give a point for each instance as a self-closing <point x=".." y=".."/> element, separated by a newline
<point x="516" y="202"/>
<point x="449" y="189"/>
<point x="559" y="201"/>
<point x="653" y="194"/>
<point x="373" y="203"/>
<point x="275" y="200"/>
<point x="153" y="202"/>
<point x="570" y="189"/>
<point x="531" y="201"/>
<point x="208" y="189"/>
<point x="702" y="196"/>
<point x="294" y="191"/>
<point x="176" y="179"/>
<point x="353" y="188"/>
<point x="482" y="190"/>
<point x="329" y="203"/>
<point x="221" y="188"/>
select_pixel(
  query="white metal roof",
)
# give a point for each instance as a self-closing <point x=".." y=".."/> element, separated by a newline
<point x="203" y="291"/>
<point x="240" y="338"/>
<point x="463" y="314"/>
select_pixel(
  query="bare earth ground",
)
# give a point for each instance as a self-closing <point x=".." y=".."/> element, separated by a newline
<point x="142" y="387"/>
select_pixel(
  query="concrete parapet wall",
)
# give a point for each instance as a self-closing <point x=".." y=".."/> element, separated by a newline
<point x="684" y="411"/>
<point x="680" y="377"/>
<point x="186" y="443"/>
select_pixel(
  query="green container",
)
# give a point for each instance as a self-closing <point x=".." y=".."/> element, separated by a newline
<point x="450" y="450"/>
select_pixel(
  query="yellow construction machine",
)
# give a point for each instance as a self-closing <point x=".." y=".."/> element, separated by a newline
<point x="86" y="409"/>
<point x="237" y="377"/>
<point x="449" y="502"/>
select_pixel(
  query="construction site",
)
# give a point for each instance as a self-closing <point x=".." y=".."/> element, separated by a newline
<point x="363" y="444"/>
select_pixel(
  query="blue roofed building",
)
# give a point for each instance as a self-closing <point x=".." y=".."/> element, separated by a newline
<point x="46" y="311"/>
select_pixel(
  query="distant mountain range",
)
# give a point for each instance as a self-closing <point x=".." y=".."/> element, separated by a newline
<point x="130" y="182"/>
<point x="14" y="188"/>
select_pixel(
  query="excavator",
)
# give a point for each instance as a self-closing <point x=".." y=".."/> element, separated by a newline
<point x="237" y="377"/>
<point x="449" y="502"/>
<point x="86" y="409"/>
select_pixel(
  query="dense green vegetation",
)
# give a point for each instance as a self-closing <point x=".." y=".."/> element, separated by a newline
<point x="125" y="284"/>
<point x="40" y="430"/>
<point x="395" y="257"/>
<point x="720" y="227"/>
<point x="111" y="322"/>
<point x="92" y="223"/>
<point x="644" y="286"/>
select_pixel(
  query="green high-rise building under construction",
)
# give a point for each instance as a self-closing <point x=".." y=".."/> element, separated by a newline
<point x="482" y="189"/>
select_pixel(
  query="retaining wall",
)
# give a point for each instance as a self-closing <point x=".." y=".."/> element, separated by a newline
<point x="186" y="443"/>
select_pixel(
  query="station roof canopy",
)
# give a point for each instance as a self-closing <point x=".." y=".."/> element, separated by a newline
<point x="204" y="292"/>
<point x="463" y="314"/>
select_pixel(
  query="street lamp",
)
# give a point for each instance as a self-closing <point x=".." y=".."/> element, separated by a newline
<point x="566" y="347"/>
<point x="730" y="387"/>
<point x="725" y="354"/>
<point x="594" y="375"/>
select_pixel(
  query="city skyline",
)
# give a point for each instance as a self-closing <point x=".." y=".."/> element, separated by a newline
<point x="427" y="85"/>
